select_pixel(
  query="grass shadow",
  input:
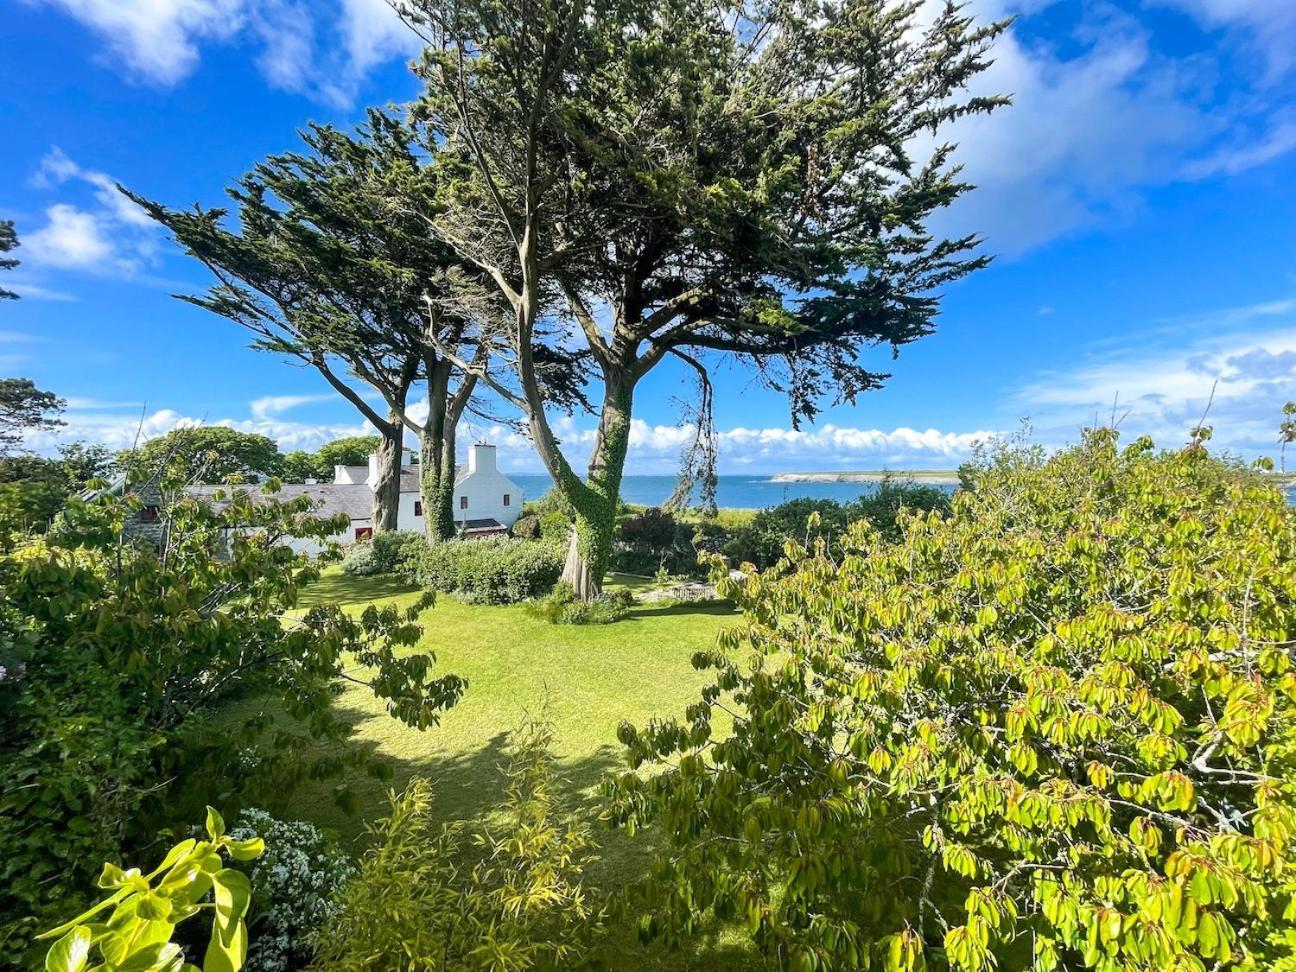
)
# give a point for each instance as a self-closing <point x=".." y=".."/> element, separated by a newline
<point x="335" y="587"/>
<point x="715" y="609"/>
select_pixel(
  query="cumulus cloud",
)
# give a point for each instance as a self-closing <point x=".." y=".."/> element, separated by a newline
<point x="322" y="48"/>
<point x="94" y="421"/>
<point x="271" y="406"/>
<point x="1242" y="360"/>
<point x="105" y="233"/>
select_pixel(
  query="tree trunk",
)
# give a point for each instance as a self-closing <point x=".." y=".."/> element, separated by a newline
<point x="436" y="434"/>
<point x="596" y="499"/>
<point x="386" y="490"/>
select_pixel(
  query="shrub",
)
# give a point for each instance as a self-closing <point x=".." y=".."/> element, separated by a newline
<point x="391" y="552"/>
<point x="491" y="570"/>
<point x="413" y="906"/>
<point x="527" y="527"/>
<point x="562" y="607"/>
<point x="146" y="908"/>
<point x="293" y="884"/>
<point x="360" y="560"/>
<point x="1053" y="730"/>
<point x="124" y="662"/>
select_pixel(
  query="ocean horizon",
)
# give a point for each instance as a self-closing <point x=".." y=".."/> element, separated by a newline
<point x="749" y="492"/>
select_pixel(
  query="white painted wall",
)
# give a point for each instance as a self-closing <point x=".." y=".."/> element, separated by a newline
<point x="484" y="488"/>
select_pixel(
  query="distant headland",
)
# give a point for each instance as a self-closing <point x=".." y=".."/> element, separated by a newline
<point x="937" y="477"/>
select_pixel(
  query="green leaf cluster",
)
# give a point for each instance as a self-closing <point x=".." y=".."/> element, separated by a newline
<point x="114" y="720"/>
<point x="1053" y="729"/>
<point x="417" y="904"/>
<point x="136" y="936"/>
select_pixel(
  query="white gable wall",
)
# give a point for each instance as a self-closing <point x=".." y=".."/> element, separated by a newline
<point x="480" y="494"/>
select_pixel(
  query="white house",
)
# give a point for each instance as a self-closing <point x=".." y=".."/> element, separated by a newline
<point x="485" y="502"/>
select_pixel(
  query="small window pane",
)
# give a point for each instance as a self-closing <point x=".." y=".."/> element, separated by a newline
<point x="506" y="499"/>
<point x="463" y="502"/>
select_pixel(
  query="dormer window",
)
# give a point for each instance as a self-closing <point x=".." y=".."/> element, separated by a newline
<point x="149" y="514"/>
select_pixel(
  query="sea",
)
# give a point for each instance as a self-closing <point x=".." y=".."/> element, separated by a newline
<point x="732" y="492"/>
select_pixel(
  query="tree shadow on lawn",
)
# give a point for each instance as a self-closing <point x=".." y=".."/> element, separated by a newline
<point x="470" y="787"/>
<point x="335" y="587"/>
<point x="719" y="609"/>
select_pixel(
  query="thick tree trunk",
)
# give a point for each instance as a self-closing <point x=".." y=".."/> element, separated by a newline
<point x="386" y="492"/>
<point x="438" y="515"/>
<point x="597" y="498"/>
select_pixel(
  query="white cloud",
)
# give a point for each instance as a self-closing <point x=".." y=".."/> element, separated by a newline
<point x="103" y="422"/>
<point x="1267" y="26"/>
<point x="655" y="449"/>
<point x="270" y="406"/>
<point x="71" y="239"/>
<point x="19" y="337"/>
<point x="112" y="236"/>
<point x="321" y="48"/>
<point x="156" y="39"/>
<point x="1232" y="160"/>
<point x="1163" y="381"/>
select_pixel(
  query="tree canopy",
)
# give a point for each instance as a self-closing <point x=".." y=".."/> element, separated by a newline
<point x="8" y="242"/>
<point x="25" y="408"/>
<point x="205" y="454"/>
<point x="1055" y="729"/>
<point x="681" y="179"/>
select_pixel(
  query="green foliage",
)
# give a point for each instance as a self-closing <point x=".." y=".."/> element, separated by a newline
<point x="146" y="908"/>
<point x="761" y="542"/>
<point x="490" y="570"/>
<point x="561" y="606"/>
<point x="393" y="552"/>
<point x="204" y="454"/>
<point x="1052" y="730"/>
<point x="25" y="408"/>
<point x="1286" y="432"/>
<point x="415" y="904"/>
<point x="655" y="540"/>
<point x="33" y="489"/>
<point x="293" y="885"/>
<point x="8" y="242"/>
<point x="526" y="527"/>
<point x="119" y="660"/>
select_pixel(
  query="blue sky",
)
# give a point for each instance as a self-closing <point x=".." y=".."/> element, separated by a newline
<point x="1140" y="197"/>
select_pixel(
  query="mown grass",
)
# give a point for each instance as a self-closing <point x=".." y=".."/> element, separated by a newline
<point x="585" y="680"/>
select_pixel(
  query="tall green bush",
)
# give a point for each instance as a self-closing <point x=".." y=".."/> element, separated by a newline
<point x="1053" y="730"/>
<point x="490" y="570"/>
<point x="120" y="662"/>
<point x="415" y="905"/>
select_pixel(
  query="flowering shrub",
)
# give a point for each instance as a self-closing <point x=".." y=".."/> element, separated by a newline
<point x="292" y="886"/>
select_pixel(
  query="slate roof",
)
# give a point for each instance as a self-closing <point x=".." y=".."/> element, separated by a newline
<point x="330" y="498"/>
<point x="477" y="526"/>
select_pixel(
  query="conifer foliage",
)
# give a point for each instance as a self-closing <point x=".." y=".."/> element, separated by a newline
<point x="1051" y="730"/>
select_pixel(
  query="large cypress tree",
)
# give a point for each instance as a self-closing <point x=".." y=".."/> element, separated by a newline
<point x="324" y="269"/>
<point x="753" y="180"/>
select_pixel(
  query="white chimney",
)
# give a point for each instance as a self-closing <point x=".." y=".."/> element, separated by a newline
<point x="481" y="458"/>
<point x="373" y="470"/>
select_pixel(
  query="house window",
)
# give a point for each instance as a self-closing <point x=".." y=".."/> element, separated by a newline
<point x="463" y="502"/>
<point x="148" y="514"/>
<point x="418" y="508"/>
<point x="506" y="499"/>
<point x="363" y="533"/>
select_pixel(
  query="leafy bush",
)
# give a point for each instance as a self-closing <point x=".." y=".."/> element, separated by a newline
<point x="293" y="884"/>
<point x="527" y="527"/>
<point x="653" y="540"/>
<point x="412" y="906"/>
<point x="147" y="907"/>
<point x="1053" y="730"/>
<point x="491" y="570"/>
<point x="122" y="662"/>
<point x="562" y="607"/>
<point x="360" y="560"/>
<point x="390" y="552"/>
<point x="761" y="542"/>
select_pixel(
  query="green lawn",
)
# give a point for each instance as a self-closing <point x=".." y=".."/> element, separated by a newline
<point x="586" y="678"/>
